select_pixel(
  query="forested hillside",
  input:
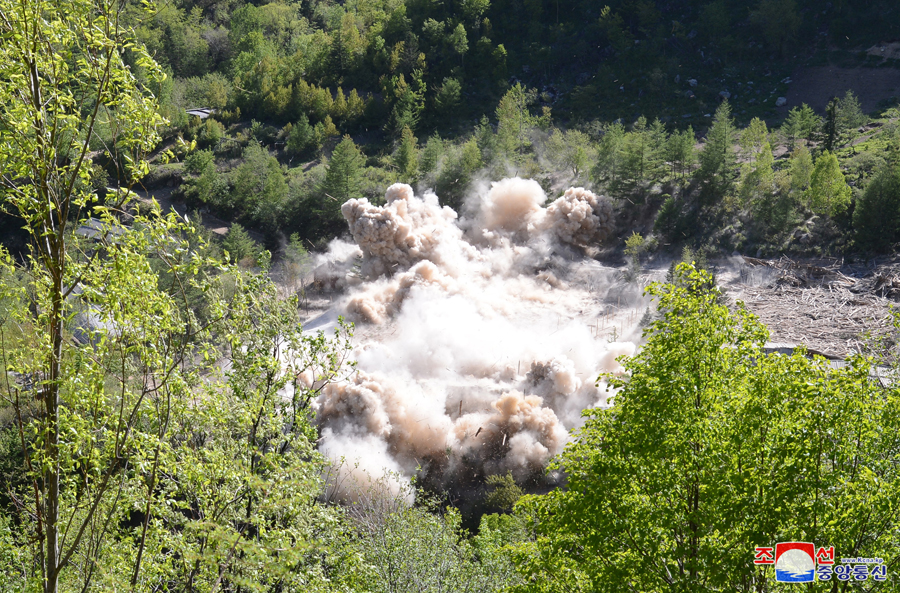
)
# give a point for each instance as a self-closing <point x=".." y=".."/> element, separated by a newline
<point x="314" y="103"/>
<point x="514" y="410"/>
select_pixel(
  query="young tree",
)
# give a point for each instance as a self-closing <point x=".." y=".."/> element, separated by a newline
<point x="680" y="152"/>
<point x="841" y="117"/>
<point x="801" y="169"/>
<point x="408" y="99"/>
<point x="634" y="247"/>
<point x="448" y="97"/>
<point x="717" y="159"/>
<point x="407" y="157"/>
<point x="642" y="152"/>
<point x="828" y="192"/>
<point x="259" y="188"/>
<point x="422" y="548"/>
<point x="802" y="123"/>
<point x="514" y="122"/>
<point x="757" y="175"/>
<point x="713" y="447"/>
<point x="62" y="73"/>
<point x="343" y="177"/>
<point x="570" y="150"/>
<point x="343" y="181"/>
<point x="209" y="187"/>
<point x="301" y="138"/>
<point x="239" y="245"/>
<point x="610" y="154"/>
<point x="876" y="218"/>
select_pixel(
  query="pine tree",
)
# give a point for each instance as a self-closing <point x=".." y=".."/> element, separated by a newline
<point x="239" y="245"/>
<point x="802" y="123"/>
<point x="828" y="192"/>
<point x="343" y="175"/>
<point x="680" y="151"/>
<point x="801" y="168"/>
<point x="757" y="175"/>
<point x="407" y="157"/>
<point x="717" y="159"/>
<point x="301" y="137"/>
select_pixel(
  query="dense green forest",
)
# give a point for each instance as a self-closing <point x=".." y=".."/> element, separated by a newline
<point x="669" y="108"/>
<point x="154" y="433"/>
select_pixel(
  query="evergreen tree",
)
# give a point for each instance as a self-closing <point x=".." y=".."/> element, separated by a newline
<point x="407" y="157"/>
<point x="828" y="192"/>
<point x="431" y="155"/>
<point x="239" y="245"/>
<point x="642" y="152"/>
<point x="514" y="122"/>
<point x="610" y="154"/>
<point x="876" y="218"/>
<point x="801" y="168"/>
<point x="841" y="117"/>
<point x="717" y="159"/>
<point x="343" y="176"/>
<point x="680" y="152"/>
<point x="448" y="97"/>
<point x="343" y="181"/>
<point x="802" y="123"/>
<point x="757" y="175"/>
<point x="301" y="138"/>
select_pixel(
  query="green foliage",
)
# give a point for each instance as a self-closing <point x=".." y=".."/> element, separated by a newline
<point x="801" y="169"/>
<point x="842" y="116"/>
<point x="570" y="151"/>
<point x="424" y="549"/>
<point x="717" y="158"/>
<point x="239" y="246"/>
<point x="209" y="186"/>
<point x="680" y="152"/>
<point x="757" y="182"/>
<point x="634" y="246"/>
<point x="801" y="123"/>
<point x="344" y="172"/>
<point x="343" y="181"/>
<point x="643" y="150"/>
<point x="505" y="491"/>
<point x="828" y="193"/>
<point x="431" y="154"/>
<point x="514" y="121"/>
<point x="259" y="188"/>
<point x="610" y="154"/>
<point x="301" y="138"/>
<point x="876" y="218"/>
<point x="407" y="157"/>
<point x="448" y="97"/>
<point x="713" y="447"/>
<point x="779" y="21"/>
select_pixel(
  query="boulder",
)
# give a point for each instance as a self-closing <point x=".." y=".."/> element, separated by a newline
<point x="780" y="101"/>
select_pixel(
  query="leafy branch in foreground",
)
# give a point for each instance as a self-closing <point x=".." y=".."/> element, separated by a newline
<point x="711" y="448"/>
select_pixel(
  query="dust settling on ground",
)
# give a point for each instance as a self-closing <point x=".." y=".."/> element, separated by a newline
<point x="479" y="337"/>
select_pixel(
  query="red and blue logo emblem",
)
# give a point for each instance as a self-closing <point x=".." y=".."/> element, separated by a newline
<point x="795" y="562"/>
<point x="802" y="562"/>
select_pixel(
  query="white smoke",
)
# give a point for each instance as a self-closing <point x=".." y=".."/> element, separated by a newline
<point x="478" y="348"/>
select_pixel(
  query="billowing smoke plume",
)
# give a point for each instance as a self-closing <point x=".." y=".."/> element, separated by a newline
<point x="478" y="346"/>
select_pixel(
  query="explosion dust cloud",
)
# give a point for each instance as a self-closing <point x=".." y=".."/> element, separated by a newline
<point x="479" y="339"/>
